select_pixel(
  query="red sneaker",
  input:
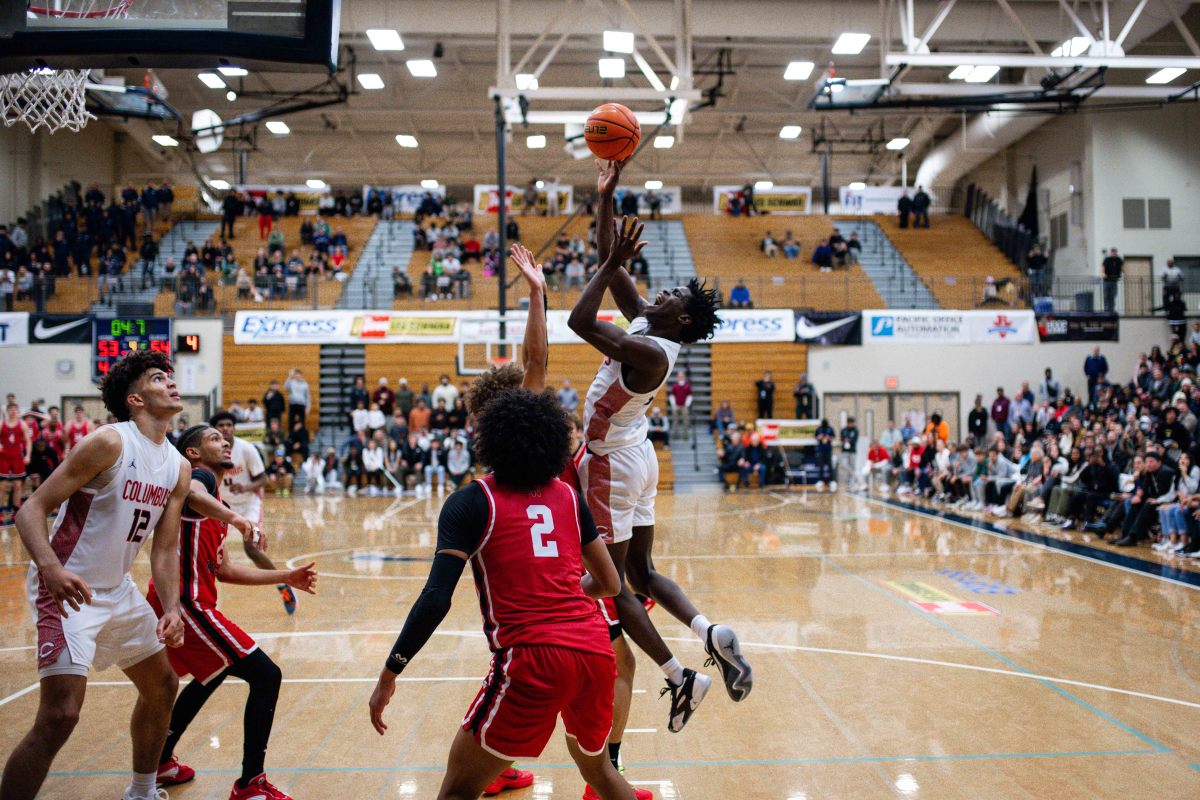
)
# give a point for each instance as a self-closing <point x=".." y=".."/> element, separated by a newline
<point x="641" y="794"/>
<point x="511" y="778"/>
<point x="258" y="789"/>
<point x="172" y="773"/>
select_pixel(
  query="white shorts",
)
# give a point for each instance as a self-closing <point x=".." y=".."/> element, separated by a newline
<point x="248" y="504"/>
<point x="118" y="628"/>
<point x="619" y="489"/>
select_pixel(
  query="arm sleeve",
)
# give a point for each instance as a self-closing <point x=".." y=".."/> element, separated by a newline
<point x="587" y="525"/>
<point x="463" y="520"/>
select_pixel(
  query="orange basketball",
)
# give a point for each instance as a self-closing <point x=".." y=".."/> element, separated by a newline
<point x="612" y="132"/>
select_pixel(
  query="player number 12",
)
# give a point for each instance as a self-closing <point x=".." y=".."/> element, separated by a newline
<point x="542" y="548"/>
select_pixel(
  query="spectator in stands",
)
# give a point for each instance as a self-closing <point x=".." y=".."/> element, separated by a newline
<point x="853" y="249"/>
<point x="384" y="397"/>
<point x="904" y="206"/>
<point x="879" y="464"/>
<point x="266" y="217"/>
<point x="404" y="398"/>
<point x="1049" y="390"/>
<point x="439" y="420"/>
<point x="768" y="245"/>
<point x="806" y="398"/>
<point x="679" y="401"/>
<point x="376" y="421"/>
<point x="739" y="295"/>
<point x="753" y="458"/>
<point x="920" y="206"/>
<point x="1155" y="488"/>
<point x="373" y="465"/>
<point x="890" y="436"/>
<point x="791" y="246"/>
<point x="529" y="198"/>
<point x="822" y="256"/>
<point x="298" y="443"/>
<point x="1035" y="268"/>
<point x="1000" y="412"/>
<point x="977" y="422"/>
<point x="280" y="474"/>
<point x="1172" y="282"/>
<point x="412" y="462"/>
<point x="824" y="450"/>
<point x="660" y="428"/>
<point x="938" y="427"/>
<point x="765" y="389"/>
<point x="569" y="397"/>
<point x="445" y="392"/>
<point x="1095" y="368"/>
<point x="1112" y="268"/>
<point x="298" y="397"/>
<point x="435" y="465"/>
<point x="722" y="419"/>
<point x="353" y="474"/>
<point x="458" y="463"/>
<point x="418" y="418"/>
<point x="274" y="403"/>
<point x="848" y="456"/>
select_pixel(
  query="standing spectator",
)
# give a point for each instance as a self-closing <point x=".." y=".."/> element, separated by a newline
<point x="848" y="455"/>
<point x="298" y="397"/>
<point x="654" y="200"/>
<point x="905" y="207"/>
<point x="529" y="198"/>
<point x="568" y="397"/>
<point x="418" y="418"/>
<point x="150" y="200"/>
<point x="384" y="397"/>
<point x="1095" y="367"/>
<point x="920" y="206"/>
<point x="8" y="284"/>
<point x="404" y="398"/>
<point x="1000" y="408"/>
<point x="1049" y="390"/>
<point x="824" y="436"/>
<point x="274" y="403"/>
<point x="1112" y="266"/>
<point x="739" y="295"/>
<point x="266" y="217"/>
<point x="679" y="400"/>
<point x="360" y="418"/>
<point x="766" y="396"/>
<point x="231" y="209"/>
<point x="359" y="393"/>
<point x="1172" y="282"/>
<point x="445" y="392"/>
<point x="853" y="248"/>
<point x="1035" y="268"/>
<point x="166" y="199"/>
<point x="149" y="256"/>
<point x="748" y="204"/>
<point x="891" y="437"/>
<point x="806" y="399"/>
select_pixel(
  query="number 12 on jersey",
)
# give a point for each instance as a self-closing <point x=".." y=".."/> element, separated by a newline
<point x="141" y="521"/>
<point x="542" y="548"/>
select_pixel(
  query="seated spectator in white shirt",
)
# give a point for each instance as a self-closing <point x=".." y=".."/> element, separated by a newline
<point x="768" y="246"/>
<point x="254" y="412"/>
<point x="376" y="421"/>
<point x="360" y="418"/>
<point x="314" y="474"/>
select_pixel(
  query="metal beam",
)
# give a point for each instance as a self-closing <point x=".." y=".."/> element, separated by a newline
<point x="1183" y="31"/>
<point x="619" y="93"/>
<point x="551" y="24"/>
<point x="649" y="37"/>
<point x="503" y="41"/>
<point x="1018" y="60"/>
<point x="969" y="90"/>
<point x="648" y="71"/>
<point x="1083" y="30"/>
<point x="1020" y="25"/>
<point x="1137" y="12"/>
<point x="943" y="10"/>
<point x="562" y="39"/>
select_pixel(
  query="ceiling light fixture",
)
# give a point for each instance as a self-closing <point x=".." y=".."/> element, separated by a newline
<point x="664" y="142"/>
<point x="385" y="38"/>
<point x="618" y="41"/>
<point x="278" y="127"/>
<point x="654" y="185"/>
<point x="982" y="74"/>
<point x="231" y="95"/>
<point x="212" y="80"/>
<point x="219" y="185"/>
<point x="526" y="81"/>
<point x="429" y="183"/>
<point x="762" y="186"/>
<point x="899" y="143"/>
<point x="233" y="72"/>
<point x="370" y="81"/>
<point x="1076" y="45"/>
<point x="421" y="68"/>
<point x="535" y="142"/>
<point x="960" y="73"/>
<point x="315" y="183"/>
<point x="851" y="44"/>
<point x="540" y="184"/>
<point x="165" y="141"/>
<point x="789" y="132"/>
<point x="798" y="70"/>
<point x="1166" y="75"/>
<point x="856" y="186"/>
<point x="405" y="140"/>
<point x="612" y="68"/>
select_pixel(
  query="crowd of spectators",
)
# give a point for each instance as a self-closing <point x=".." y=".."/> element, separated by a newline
<point x="833" y="252"/>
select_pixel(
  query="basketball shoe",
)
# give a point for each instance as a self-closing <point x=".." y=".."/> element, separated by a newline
<point x="725" y="652"/>
<point x="641" y="794"/>
<point x="158" y="794"/>
<point x="288" y="595"/>
<point x="511" y="778"/>
<point x="258" y="789"/>
<point x="685" y="698"/>
<point x="173" y="773"/>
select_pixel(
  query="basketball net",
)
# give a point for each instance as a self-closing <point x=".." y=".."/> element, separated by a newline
<point x="55" y="99"/>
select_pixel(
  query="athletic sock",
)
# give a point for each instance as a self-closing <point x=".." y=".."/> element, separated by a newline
<point x="673" y="670"/>
<point x="614" y="755"/>
<point x="700" y="626"/>
<point x="143" y="785"/>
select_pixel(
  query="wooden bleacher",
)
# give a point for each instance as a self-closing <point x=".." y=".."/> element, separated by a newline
<point x="248" y="368"/>
<point x="736" y="367"/>
<point x="727" y="248"/>
<point x="952" y="257"/>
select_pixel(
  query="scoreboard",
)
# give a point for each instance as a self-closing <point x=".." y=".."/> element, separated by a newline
<point x="116" y="337"/>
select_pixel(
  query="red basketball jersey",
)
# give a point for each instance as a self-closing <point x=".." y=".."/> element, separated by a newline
<point x="12" y="439"/>
<point x="201" y="551"/>
<point x="527" y="571"/>
<point x="76" y="433"/>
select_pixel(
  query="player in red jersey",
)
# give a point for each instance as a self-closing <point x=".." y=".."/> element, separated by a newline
<point x="55" y="434"/>
<point x="16" y="445"/>
<point x="77" y="429"/>
<point x="528" y="537"/>
<point x="213" y="646"/>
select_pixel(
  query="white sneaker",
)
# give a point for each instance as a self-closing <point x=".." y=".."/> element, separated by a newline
<point x="398" y="492"/>
<point x="820" y="487"/>
<point x="1160" y="546"/>
<point x="833" y="486"/>
<point x="352" y="491"/>
<point x="155" y="794"/>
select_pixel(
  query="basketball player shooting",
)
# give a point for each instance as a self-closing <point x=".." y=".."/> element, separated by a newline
<point x="619" y="471"/>
<point x="121" y="482"/>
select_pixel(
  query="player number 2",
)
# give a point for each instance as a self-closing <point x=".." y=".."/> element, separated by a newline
<point x="542" y="548"/>
<point x="141" y="521"/>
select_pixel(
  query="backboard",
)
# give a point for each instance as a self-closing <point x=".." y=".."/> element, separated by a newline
<point x="89" y="34"/>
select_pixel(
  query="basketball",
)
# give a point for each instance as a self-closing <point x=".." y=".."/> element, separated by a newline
<point x="612" y="132"/>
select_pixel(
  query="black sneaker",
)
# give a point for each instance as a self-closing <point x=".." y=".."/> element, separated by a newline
<point x="685" y="698"/>
<point x="724" y="651"/>
<point x="288" y="595"/>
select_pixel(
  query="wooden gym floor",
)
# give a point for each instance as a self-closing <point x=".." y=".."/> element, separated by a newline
<point x="1025" y="672"/>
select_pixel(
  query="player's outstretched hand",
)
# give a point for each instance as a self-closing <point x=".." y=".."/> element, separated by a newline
<point x="251" y="533"/>
<point x="303" y="578"/>
<point x="610" y="175"/>
<point x="170" y="629"/>
<point x="384" y="689"/>
<point x="67" y="589"/>
<point x="626" y="239"/>
<point x="522" y="256"/>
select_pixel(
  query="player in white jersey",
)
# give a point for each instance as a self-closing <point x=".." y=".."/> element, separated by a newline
<point x="242" y="491"/>
<point x="619" y="472"/>
<point x="121" y="483"/>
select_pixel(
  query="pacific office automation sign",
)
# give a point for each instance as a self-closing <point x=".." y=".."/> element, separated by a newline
<point x="1013" y="326"/>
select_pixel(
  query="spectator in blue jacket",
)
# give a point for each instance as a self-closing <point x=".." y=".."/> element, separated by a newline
<point x="739" y="296"/>
<point x="1095" y="367"/>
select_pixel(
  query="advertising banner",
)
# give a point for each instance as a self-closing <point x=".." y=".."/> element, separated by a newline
<point x="871" y="199"/>
<point x="405" y="198"/>
<point x="60" y="329"/>
<point x="788" y="432"/>
<point x="670" y="200"/>
<point x="1016" y="326"/>
<point x="310" y="199"/>
<point x="776" y="200"/>
<point x="14" y="329"/>
<point x="828" y="327"/>
<point x="487" y="199"/>
<point x="755" y="325"/>
<point x="1079" y="327"/>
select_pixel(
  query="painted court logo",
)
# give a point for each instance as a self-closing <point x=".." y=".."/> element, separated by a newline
<point x="1002" y="326"/>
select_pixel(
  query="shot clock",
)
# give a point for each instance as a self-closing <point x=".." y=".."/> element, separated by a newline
<point x="116" y="337"/>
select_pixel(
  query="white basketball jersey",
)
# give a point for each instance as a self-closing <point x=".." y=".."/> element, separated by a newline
<point x="100" y="529"/>
<point x="247" y="464"/>
<point x="613" y="416"/>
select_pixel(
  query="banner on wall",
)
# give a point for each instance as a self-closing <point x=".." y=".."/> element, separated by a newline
<point x="755" y="325"/>
<point x="776" y="200"/>
<point x="60" y="329"/>
<point x="14" y="328"/>
<point x="870" y="199"/>
<point x="487" y="199"/>
<point x="788" y="432"/>
<point x="1079" y="327"/>
<point x="1015" y="326"/>
<point x="310" y="199"/>
<point x="670" y="200"/>
<point x="406" y="197"/>
<point x="828" y="327"/>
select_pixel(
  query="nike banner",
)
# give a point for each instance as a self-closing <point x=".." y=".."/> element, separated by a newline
<point x="60" y="329"/>
<point x="828" y="327"/>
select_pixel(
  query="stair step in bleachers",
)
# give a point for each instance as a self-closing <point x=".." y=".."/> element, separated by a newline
<point x="898" y="285"/>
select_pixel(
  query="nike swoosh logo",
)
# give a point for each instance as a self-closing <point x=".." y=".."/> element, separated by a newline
<point x="805" y="330"/>
<point x="40" y="331"/>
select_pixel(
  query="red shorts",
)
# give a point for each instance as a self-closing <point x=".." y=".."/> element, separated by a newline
<point x="12" y="468"/>
<point x="608" y="610"/>
<point x="526" y="690"/>
<point x="211" y="642"/>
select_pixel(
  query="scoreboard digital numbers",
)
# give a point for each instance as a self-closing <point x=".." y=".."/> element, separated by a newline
<point x="115" y="338"/>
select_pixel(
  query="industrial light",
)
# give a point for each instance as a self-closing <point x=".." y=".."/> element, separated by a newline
<point x="982" y="74"/>
<point x="674" y="82"/>
<point x="618" y="41"/>
<point x="798" y="70"/>
<point x="385" y="38"/>
<point x="834" y="88"/>
<point x="899" y="143"/>
<point x="654" y="185"/>
<point x="960" y="73"/>
<point x="211" y="80"/>
<point x="231" y="95"/>
<point x="535" y="142"/>
<point x="664" y="142"/>
<point x="315" y="183"/>
<point x="429" y="183"/>
<point x="1166" y="75"/>
<point x="219" y="185"/>
<point x="856" y="186"/>
<point x="789" y="132"/>
<point x="539" y="184"/>
<point x="165" y="141"/>
<point x="233" y="72"/>
<point x="612" y="68"/>
<point x="526" y="81"/>
<point x="370" y="80"/>
<point x="851" y="44"/>
<point x="422" y="68"/>
<point x="1074" y="46"/>
<point x="678" y="109"/>
<point x="404" y="140"/>
<point x="278" y="127"/>
<point x="762" y="186"/>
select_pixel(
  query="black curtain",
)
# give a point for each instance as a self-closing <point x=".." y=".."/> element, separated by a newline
<point x="1029" y="217"/>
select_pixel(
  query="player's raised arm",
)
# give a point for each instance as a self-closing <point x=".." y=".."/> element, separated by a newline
<point x="164" y="560"/>
<point x="624" y="288"/>
<point x="92" y="456"/>
<point x="302" y="578"/>
<point x="535" y="349"/>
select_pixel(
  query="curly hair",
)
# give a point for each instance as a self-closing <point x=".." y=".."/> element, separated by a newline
<point x="490" y="384"/>
<point x="702" y="307"/>
<point x="117" y="384"/>
<point x="524" y="438"/>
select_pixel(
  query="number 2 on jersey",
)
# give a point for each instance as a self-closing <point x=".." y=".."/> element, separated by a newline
<point x="543" y="527"/>
<point x="141" y="521"/>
